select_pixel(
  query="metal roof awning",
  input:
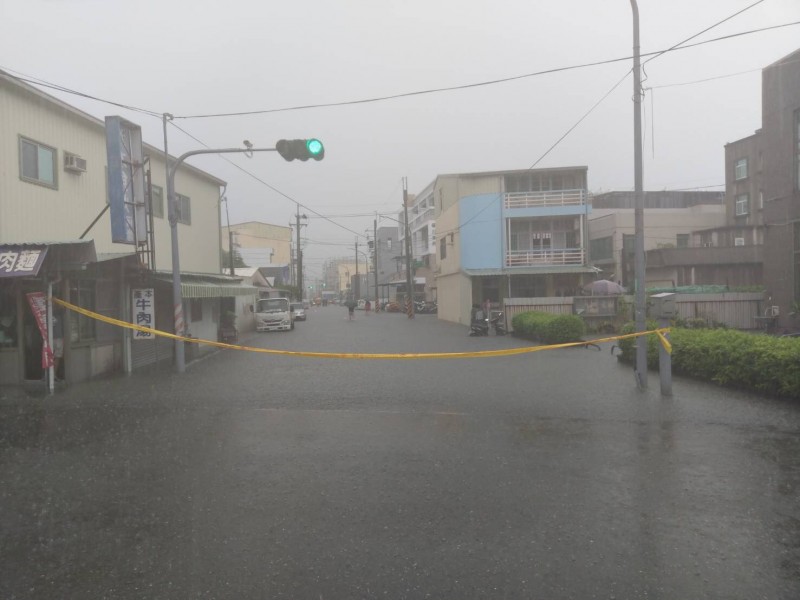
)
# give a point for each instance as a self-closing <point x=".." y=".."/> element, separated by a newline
<point x="216" y="290"/>
<point x="208" y="285"/>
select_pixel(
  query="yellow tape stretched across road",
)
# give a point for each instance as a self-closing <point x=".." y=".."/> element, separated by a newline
<point x="479" y="354"/>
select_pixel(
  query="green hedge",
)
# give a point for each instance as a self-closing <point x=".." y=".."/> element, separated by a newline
<point x="549" y="328"/>
<point x="755" y="362"/>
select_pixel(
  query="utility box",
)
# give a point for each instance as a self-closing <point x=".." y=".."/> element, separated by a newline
<point x="663" y="306"/>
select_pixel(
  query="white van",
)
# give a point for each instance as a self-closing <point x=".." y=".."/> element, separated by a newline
<point x="274" y="314"/>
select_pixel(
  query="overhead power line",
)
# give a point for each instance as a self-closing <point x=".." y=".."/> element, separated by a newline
<point x="678" y="46"/>
<point x="465" y="86"/>
<point x="50" y="85"/>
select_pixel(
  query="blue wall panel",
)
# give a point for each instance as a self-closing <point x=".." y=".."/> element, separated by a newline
<point x="481" y="231"/>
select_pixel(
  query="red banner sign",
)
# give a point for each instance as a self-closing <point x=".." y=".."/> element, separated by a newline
<point x="38" y="303"/>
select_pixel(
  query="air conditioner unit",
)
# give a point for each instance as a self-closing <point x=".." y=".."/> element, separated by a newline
<point x="74" y="163"/>
<point x="738" y="241"/>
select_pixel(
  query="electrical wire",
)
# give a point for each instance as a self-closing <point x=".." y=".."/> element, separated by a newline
<point x="680" y="45"/>
<point x="53" y="86"/>
<point x="653" y="55"/>
<point x="50" y="85"/>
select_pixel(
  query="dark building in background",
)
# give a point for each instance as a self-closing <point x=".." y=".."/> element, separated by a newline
<point x="781" y="182"/>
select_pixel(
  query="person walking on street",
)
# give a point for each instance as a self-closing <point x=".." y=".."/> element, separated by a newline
<point x="351" y="308"/>
<point x="367" y="307"/>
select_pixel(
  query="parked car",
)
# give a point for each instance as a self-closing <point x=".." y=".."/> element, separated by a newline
<point x="298" y="311"/>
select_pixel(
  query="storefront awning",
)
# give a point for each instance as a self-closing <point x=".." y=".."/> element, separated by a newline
<point x="207" y="285"/>
<point x="216" y="290"/>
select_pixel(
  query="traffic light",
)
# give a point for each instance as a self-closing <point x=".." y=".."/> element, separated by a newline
<point x="300" y="149"/>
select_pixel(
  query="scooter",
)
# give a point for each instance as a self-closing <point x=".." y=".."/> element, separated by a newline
<point x="479" y="326"/>
<point x="498" y="323"/>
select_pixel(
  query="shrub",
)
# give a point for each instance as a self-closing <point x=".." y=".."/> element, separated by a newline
<point x="754" y="362"/>
<point x="548" y="328"/>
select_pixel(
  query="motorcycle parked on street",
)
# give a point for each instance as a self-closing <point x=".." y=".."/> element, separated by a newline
<point x="498" y="322"/>
<point x="480" y="325"/>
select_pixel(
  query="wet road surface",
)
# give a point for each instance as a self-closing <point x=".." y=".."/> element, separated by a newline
<point x="539" y="476"/>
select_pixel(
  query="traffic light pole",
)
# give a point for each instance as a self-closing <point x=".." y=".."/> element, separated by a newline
<point x="177" y="296"/>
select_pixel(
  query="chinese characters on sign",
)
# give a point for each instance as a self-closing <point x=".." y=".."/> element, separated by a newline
<point x="18" y="261"/>
<point x="144" y="313"/>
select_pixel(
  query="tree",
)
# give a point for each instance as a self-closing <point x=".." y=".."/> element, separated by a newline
<point x="238" y="261"/>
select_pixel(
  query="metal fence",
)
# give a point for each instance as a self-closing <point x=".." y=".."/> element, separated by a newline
<point x="737" y="310"/>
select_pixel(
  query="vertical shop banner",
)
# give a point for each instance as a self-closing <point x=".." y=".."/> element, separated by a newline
<point x="38" y="303"/>
<point x="144" y="313"/>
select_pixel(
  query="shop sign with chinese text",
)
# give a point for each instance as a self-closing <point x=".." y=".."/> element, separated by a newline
<point x="19" y="261"/>
<point x="144" y="313"/>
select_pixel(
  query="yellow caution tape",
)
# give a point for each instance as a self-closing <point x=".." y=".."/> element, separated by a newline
<point x="664" y="341"/>
<point x="479" y="354"/>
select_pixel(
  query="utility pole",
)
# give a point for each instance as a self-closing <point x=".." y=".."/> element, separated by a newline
<point x="375" y="260"/>
<point x="357" y="286"/>
<point x="230" y="247"/>
<point x="299" y="254"/>
<point x="640" y="306"/>
<point x="409" y="275"/>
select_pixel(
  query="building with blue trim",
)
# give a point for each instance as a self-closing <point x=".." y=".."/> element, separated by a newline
<point x="510" y="234"/>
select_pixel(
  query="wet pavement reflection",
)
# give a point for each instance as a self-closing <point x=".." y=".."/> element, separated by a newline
<point x="546" y="475"/>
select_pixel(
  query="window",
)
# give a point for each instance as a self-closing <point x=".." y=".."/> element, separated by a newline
<point x="682" y="240"/>
<point x="82" y="293"/>
<point x="157" y="201"/>
<point x="37" y="163"/>
<point x="443" y="248"/>
<point x="740" y="169"/>
<point x="184" y="208"/>
<point x="601" y="248"/>
<point x="742" y="205"/>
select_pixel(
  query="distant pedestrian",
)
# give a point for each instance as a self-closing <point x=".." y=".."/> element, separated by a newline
<point x="367" y="307"/>
<point x="351" y="309"/>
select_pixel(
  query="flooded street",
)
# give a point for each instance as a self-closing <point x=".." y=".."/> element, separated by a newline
<point x="543" y="475"/>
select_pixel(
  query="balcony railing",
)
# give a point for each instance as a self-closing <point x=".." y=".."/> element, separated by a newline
<point x="547" y="198"/>
<point x="544" y="258"/>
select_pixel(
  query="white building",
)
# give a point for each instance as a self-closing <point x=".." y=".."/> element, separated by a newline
<point x="54" y="199"/>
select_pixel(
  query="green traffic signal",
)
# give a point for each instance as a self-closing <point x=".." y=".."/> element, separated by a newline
<point x="315" y="149"/>
<point x="300" y="149"/>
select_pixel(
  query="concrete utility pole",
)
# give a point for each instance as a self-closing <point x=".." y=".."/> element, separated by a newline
<point x="640" y="306"/>
<point x="375" y="260"/>
<point x="409" y="275"/>
<point x="357" y="286"/>
<point x="299" y="254"/>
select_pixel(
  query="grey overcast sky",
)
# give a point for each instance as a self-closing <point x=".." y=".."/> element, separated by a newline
<point x="190" y="57"/>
